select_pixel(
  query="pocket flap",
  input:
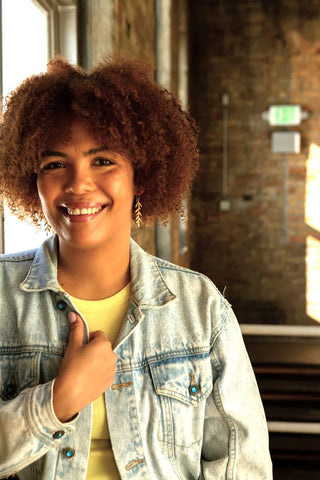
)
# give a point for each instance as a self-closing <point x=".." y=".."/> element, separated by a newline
<point x="188" y="378"/>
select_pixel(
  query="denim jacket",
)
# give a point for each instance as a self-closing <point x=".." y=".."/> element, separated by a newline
<point x="184" y="403"/>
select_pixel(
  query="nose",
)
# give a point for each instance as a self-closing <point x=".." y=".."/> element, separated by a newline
<point x="79" y="181"/>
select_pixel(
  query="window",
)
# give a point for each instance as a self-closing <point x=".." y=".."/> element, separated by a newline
<point x="31" y="32"/>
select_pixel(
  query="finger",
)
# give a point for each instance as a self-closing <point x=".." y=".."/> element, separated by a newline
<point x="97" y="334"/>
<point x="76" y="329"/>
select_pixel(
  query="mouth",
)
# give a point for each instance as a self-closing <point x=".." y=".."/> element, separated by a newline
<point x="81" y="214"/>
<point x="84" y="211"/>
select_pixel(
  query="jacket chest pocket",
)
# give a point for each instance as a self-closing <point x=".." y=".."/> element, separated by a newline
<point x="17" y="372"/>
<point x="183" y="384"/>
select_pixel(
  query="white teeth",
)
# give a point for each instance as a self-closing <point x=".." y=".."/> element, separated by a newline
<point x="83" y="211"/>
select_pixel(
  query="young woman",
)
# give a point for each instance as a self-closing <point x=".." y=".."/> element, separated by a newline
<point x="113" y="363"/>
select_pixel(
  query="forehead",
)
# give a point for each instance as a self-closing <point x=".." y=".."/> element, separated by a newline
<point x="72" y="134"/>
<point x="79" y="135"/>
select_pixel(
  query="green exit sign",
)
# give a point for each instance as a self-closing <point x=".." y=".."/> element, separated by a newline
<point x="284" y="115"/>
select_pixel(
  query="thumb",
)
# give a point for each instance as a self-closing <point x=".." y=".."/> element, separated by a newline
<point x="76" y="329"/>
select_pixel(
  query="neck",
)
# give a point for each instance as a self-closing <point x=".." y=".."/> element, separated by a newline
<point x="93" y="274"/>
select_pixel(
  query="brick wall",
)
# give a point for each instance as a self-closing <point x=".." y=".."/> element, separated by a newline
<point x="264" y="251"/>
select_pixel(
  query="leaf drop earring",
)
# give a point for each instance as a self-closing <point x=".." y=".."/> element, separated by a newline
<point x="137" y="211"/>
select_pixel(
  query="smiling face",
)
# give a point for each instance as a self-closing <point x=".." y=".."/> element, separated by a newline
<point x="86" y="192"/>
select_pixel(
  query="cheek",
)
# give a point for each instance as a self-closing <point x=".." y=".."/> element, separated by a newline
<point x="121" y="187"/>
<point x="40" y="189"/>
<point x="45" y="191"/>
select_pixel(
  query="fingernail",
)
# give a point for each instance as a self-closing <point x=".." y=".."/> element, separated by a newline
<point x="72" y="317"/>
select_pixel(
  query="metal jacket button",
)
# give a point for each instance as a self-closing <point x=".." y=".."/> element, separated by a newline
<point x="194" y="389"/>
<point x="69" y="452"/>
<point x="61" y="305"/>
<point x="58" y="434"/>
<point x="11" y="390"/>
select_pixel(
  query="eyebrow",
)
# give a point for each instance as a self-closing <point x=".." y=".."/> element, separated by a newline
<point x="54" y="153"/>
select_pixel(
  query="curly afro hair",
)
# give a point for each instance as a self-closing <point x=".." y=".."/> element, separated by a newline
<point x="120" y="105"/>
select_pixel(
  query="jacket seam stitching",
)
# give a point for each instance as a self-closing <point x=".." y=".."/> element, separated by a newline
<point x="170" y="355"/>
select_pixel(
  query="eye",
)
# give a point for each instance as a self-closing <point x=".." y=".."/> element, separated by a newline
<point x="103" y="162"/>
<point x="52" y="166"/>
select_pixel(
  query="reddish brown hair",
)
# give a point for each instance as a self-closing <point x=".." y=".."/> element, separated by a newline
<point x="122" y="107"/>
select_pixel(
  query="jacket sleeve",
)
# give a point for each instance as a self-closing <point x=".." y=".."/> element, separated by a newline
<point x="235" y="445"/>
<point x="28" y="428"/>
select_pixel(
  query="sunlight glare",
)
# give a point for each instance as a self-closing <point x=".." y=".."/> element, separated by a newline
<point x="312" y="208"/>
<point x="24" y="53"/>
<point x="313" y="278"/>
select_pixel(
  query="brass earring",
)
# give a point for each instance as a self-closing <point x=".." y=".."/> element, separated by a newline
<point x="137" y="211"/>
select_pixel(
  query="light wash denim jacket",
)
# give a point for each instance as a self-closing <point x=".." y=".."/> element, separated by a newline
<point x="184" y="403"/>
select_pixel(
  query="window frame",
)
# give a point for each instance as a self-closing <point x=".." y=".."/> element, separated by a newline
<point x="59" y="14"/>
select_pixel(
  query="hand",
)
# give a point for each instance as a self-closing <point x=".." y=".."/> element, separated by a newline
<point x="86" y="370"/>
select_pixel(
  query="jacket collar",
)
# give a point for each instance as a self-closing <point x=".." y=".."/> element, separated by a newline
<point x="147" y="283"/>
<point x="42" y="274"/>
<point x="148" y="286"/>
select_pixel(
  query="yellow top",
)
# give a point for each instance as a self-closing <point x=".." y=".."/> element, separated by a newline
<point x="106" y="315"/>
